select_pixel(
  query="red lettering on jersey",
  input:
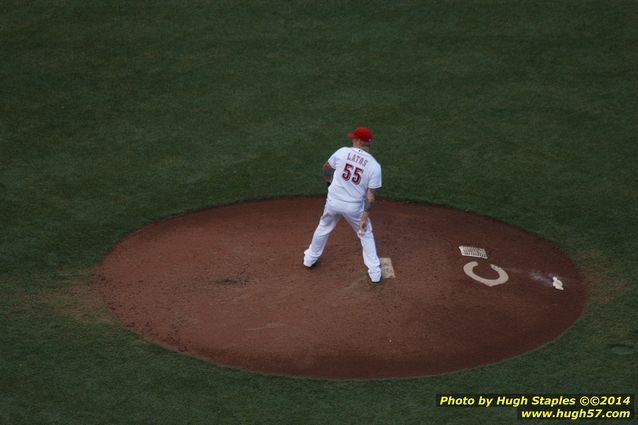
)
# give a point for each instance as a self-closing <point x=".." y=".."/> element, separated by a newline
<point x="357" y="159"/>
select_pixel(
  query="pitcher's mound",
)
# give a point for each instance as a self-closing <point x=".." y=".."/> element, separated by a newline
<point x="228" y="284"/>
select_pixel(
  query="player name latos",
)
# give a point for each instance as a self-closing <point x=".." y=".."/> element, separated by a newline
<point x="357" y="159"/>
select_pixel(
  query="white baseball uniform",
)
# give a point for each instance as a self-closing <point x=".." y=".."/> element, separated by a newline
<point x="356" y="171"/>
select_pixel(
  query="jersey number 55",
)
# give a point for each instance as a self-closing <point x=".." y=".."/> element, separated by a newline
<point x="348" y="173"/>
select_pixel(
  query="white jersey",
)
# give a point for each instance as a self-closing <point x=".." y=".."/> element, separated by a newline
<point x="356" y="171"/>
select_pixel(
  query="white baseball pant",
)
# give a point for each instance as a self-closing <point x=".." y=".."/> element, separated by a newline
<point x="332" y="213"/>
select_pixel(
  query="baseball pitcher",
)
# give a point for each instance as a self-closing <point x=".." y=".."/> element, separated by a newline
<point x="352" y="175"/>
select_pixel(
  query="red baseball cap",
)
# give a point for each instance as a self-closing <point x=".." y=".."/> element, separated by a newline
<point x="361" y="133"/>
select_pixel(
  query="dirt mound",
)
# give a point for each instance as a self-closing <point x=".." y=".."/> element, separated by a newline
<point x="227" y="284"/>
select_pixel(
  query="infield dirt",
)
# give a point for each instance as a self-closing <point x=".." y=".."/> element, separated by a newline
<point x="227" y="284"/>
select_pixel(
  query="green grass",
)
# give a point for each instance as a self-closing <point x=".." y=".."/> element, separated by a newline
<point x="115" y="114"/>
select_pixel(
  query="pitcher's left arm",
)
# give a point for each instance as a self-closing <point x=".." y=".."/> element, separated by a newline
<point x="367" y="207"/>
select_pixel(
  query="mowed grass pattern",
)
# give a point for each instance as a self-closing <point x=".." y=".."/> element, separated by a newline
<point x="114" y="115"/>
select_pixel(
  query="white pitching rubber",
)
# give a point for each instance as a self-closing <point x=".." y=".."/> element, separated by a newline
<point x="387" y="271"/>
